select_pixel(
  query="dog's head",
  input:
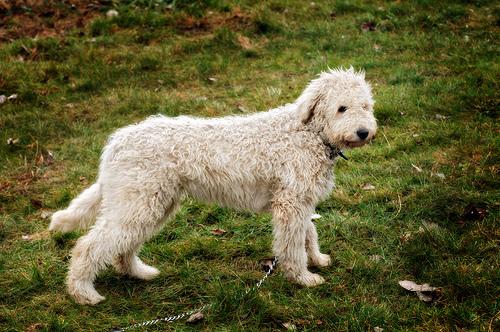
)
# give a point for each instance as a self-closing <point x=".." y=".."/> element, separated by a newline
<point x="339" y="105"/>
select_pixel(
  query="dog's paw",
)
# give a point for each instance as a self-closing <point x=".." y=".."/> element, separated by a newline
<point x="145" y="272"/>
<point x="310" y="279"/>
<point x="321" y="260"/>
<point x="61" y="222"/>
<point x="84" y="293"/>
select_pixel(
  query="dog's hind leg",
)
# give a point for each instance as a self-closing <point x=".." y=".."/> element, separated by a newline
<point x="290" y="220"/>
<point x="128" y="219"/>
<point x="129" y="263"/>
<point x="312" y="247"/>
<point x="81" y="213"/>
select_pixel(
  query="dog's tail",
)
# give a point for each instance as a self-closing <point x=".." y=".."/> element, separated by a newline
<point x="81" y="213"/>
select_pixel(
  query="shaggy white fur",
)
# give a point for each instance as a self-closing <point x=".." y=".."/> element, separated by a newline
<point x="278" y="161"/>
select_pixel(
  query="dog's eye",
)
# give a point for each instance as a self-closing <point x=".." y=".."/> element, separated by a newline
<point x="342" y="109"/>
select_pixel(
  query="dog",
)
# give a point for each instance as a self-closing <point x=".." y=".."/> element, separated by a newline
<point x="280" y="161"/>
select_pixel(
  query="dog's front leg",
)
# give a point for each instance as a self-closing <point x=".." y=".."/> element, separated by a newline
<point x="290" y="223"/>
<point x="312" y="247"/>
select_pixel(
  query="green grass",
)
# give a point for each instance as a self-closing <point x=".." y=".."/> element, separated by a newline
<point x="424" y="58"/>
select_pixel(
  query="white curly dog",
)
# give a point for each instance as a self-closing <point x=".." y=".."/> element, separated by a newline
<point x="278" y="161"/>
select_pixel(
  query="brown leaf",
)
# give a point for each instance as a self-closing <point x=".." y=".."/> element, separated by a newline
<point x="266" y="264"/>
<point x="473" y="212"/>
<point x="368" y="26"/>
<point x="36" y="203"/>
<point x="218" y="231"/>
<point x="34" y="327"/>
<point x="245" y="42"/>
<point x="196" y="317"/>
<point x="46" y="158"/>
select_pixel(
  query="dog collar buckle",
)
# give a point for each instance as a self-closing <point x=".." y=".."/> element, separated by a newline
<point x="341" y="153"/>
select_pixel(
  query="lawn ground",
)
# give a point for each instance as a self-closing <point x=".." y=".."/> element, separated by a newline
<point x="419" y="203"/>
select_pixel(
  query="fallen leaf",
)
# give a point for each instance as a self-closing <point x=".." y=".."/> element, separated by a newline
<point x="405" y="237"/>
<point x="290" y="326"/>
<point x="12" y="97"/>
<point x="2" y="99"/>
<point x="212" y="79"/>
<point x="244" y="42"/>
<point x="36" y="203"/>
<point x="45" y="158"/>
<point x="45" y="214"/>
<point x="218" y="231"/>
<point x="196" y="317"/>
<point x="368" y="186"/>
<point x="473" y="212"/>
<point x="414" y="287"/>
<point x="34" y="327"/>
<point x="438" y="175"/>
<point x="315" y="216"/>
<point x="429" y="226"/>
<point x="377" y="329"/>
<point x="375" y="258"/>
<point x="376" y="47"/>
<point x="418" y="169"/>
<point x="368" y="26"/>
<point x="242" y="109"/>
<point x="111" y="13"/>
<point x="440" y="117"/>
<point x="12" y="141"/>
<point x="266" y="264"/>
<point x="424" y="297"/>
<point x="36" y="236"/>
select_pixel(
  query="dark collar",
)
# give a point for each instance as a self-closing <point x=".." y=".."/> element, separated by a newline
<point x="333" y="151"/>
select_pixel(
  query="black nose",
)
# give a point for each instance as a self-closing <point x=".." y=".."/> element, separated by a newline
<point x="362" y="133"/>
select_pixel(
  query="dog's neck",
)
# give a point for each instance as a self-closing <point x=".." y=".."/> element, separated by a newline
<point x="333" y="150"/>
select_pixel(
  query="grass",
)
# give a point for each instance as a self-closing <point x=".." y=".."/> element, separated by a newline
<point x="434" y="69"/>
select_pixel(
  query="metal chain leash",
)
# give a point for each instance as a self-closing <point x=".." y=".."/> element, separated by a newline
<point x="199" y="309"/>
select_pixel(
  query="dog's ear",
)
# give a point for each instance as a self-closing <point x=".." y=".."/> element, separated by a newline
<point x="308" y="108"/>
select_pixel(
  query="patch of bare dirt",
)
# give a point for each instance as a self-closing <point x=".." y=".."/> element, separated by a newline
<point x="234" y="20"/>
<point x="45" y="18"/>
